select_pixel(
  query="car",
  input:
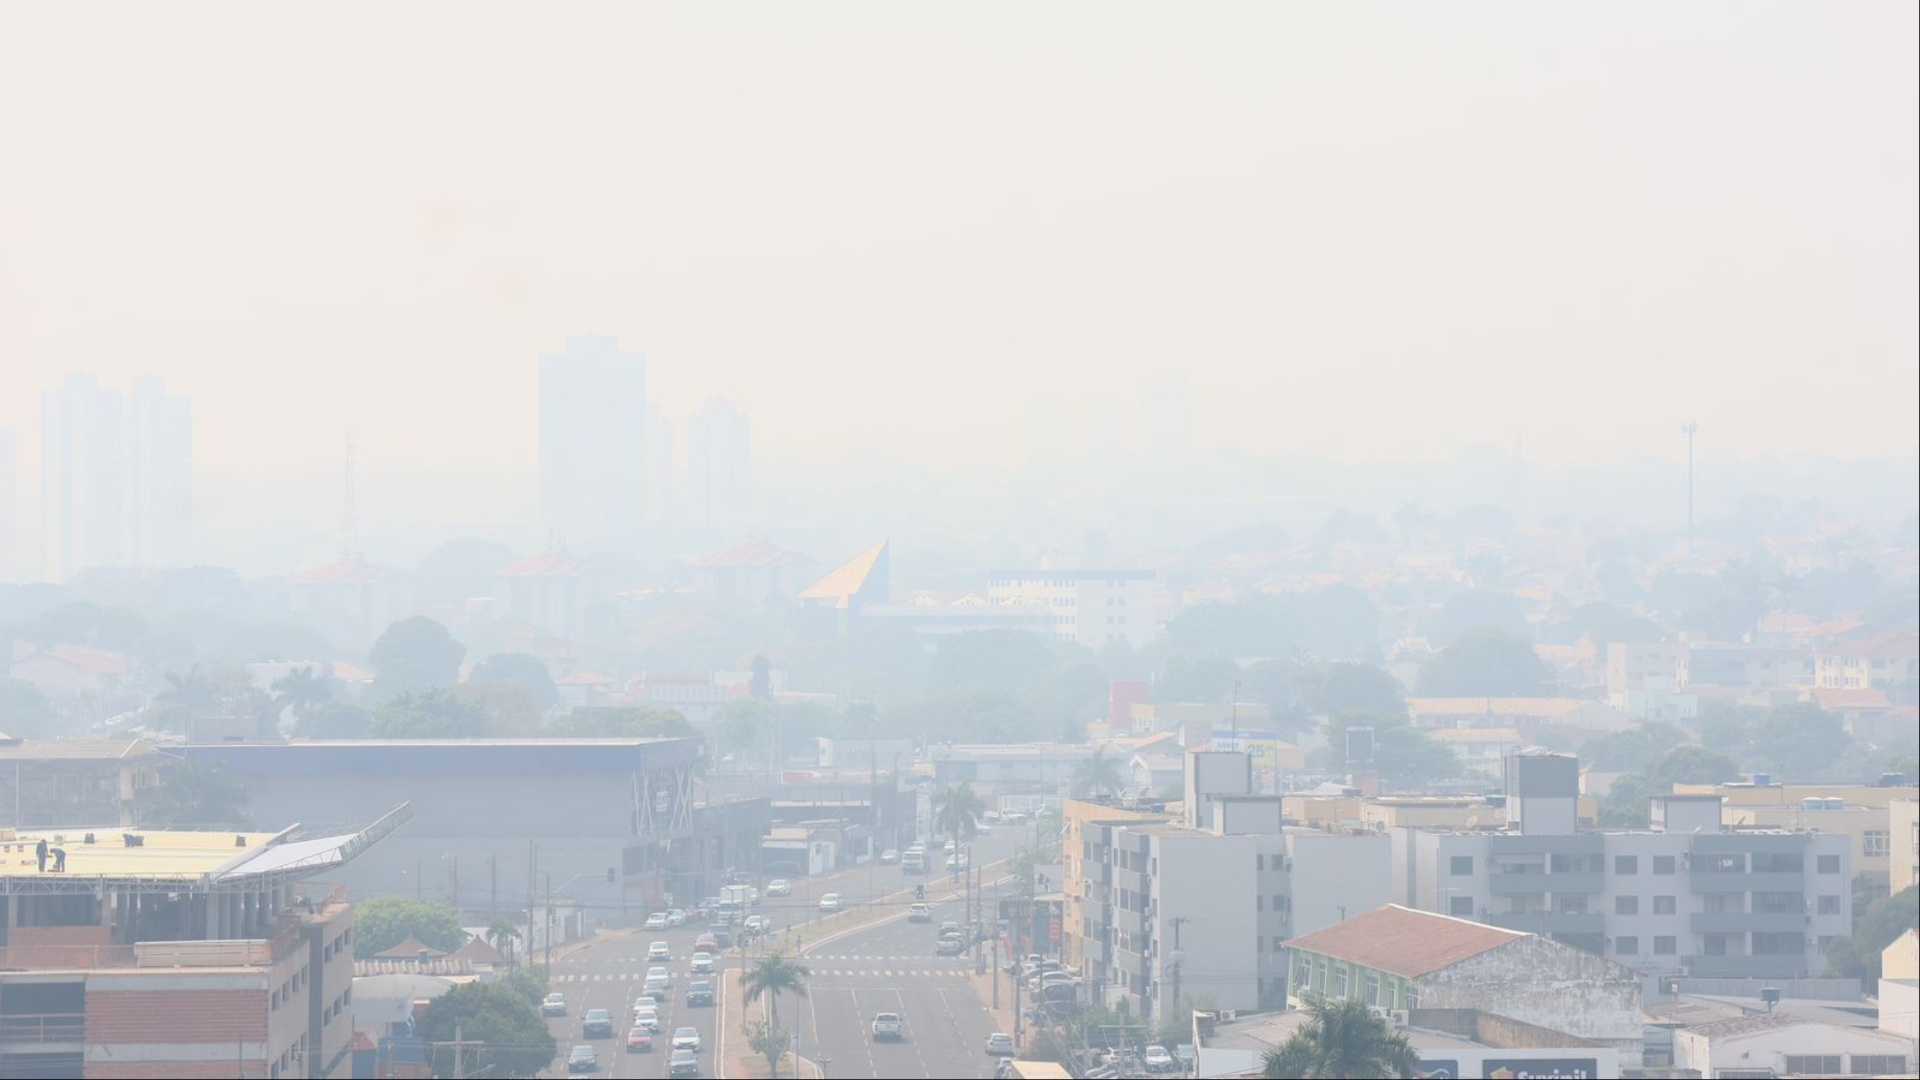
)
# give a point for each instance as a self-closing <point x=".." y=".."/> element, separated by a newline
<point x="919" y="913"/>
<point x="1156" y="1059"/>
<point x="949" y="946"/>
<point x="951" y="847"/>
<point x="597" y="1024"/>
<point x="582" y="1059"/>
<point x="657" y="921"/>
<point x="957" y="862"/>
<point x="949" y="927"/>
<point x="639" y="1040"/>
<point x="701" y="964"/>
<point x="662" y="971"/>
<point x="779" y="887"/>
<point x="888" y="1027"/>
<point x="659" y="950"/>
<point x="708" y="942"/>
<point x="683" y="1063"/>
<point x="554" y="1005"/>
<point x="700" y="993"/>
<point x="830" y="902"/>
<point x="758" y="923"/>
<point x="686" y="1038"/>
<point x="1000" y="1044"/>
<point x="889" y="857"/>
<point x="676" y="917"/>
<point x="657" y="987"/>
<point x="722" y="938"/>
<point x="647" y="1021"/>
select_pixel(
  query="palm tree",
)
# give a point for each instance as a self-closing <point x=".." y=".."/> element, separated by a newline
<point x="956" y="811"/>
<point x="1341" y="1039"/>
<point x="301" y="691"/>
<point x="1098" y="775"/>
<point x="771" y="976"/>
<point x="501" y="935"/>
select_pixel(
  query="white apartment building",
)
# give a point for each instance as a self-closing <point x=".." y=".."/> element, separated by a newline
<point x="1686" y="896"/>
<point x="1091" y="607"/>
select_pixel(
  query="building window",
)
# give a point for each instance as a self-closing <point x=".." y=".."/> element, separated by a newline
<point x="1461" y="866"/>
<point x="1829" y="905"/>
<point x="1663" y="864"/>
<point x="1626" y="905"/>
<point x="1814" y="1064"/>
<point x="1879" y="1064"/>
<point x="1626" y="864"/>
<point x="1664" y="905"/>
<point x="1626" y="946"/>
<point x="1829" y="864"/>
<point x="1461" y="906"/>
<point x="1259" y="862"/>
<point x="1664" y="945"/>
<point x="1873" y="843"/>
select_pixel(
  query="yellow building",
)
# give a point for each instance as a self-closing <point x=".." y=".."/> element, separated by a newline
<point x="1744" y="794"/>
<point x="1083" y="871"/>
<point x="1865" y="826"/>
<point x="1903" y="838"/>
<point x="1430" y="812"/>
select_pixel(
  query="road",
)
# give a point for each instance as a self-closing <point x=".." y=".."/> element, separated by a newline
<point x="892" y="962"/>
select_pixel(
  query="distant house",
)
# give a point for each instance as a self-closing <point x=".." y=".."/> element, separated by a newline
<point x="68" y="671"/>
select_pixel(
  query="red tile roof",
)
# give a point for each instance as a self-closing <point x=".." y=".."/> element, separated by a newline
<point x="1405" y="942"/>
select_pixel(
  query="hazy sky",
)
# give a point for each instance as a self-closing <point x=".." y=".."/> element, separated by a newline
<point x="973" y="232"/>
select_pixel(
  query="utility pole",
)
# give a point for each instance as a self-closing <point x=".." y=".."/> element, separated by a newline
<point x="531" y="864"/>
<point x="493" y="888"/>
<point x="1689" y="429"/>
<point x="453" y="870"/>
<point x="460" y="1052"/>
<point x="549" y="922"/>
<point x="419" y="877"/>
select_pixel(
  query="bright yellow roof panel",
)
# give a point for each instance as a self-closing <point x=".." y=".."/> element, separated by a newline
<point x="162" y="854"/>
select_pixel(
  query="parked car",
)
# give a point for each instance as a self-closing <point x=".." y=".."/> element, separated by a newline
<point x="888" y="1027"/>
<point x="1157" y="1060"/>
<point x="701" y="964"/>
<point x="1000" y="1044"/>
<point x="657" y="921"/>
<point x="830" y="902"/>
<point x="582" y="1059"/>
<point x="919" y="913"/>
<point x="639" y="1041"/>
<point x="779" y="887"/>
<point x="700" y="993"/>
<point x="554" y="1005"/>
<point x="889" y="857"/>
<point x="683" y="1063"/>
<point x="597" y="1024"/>
<point x="686" y="1038"/>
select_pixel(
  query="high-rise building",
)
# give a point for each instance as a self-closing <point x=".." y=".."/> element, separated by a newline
<point x="660" y="463"/>
<point x="593" y="445"/>
<point x="719" y="466"/>
<point x="116" y="477"/>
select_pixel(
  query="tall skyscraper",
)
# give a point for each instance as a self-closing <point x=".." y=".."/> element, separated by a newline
<point x="116" y="477"/>
<point x="593" y="445"/>
<point x="719" y="466"/>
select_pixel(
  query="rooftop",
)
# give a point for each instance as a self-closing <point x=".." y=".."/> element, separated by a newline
<point x="18" y="749"/>
<point x="161" y="854"/>
<point x="1405" y="942"/>
<point x="847" y="581"/>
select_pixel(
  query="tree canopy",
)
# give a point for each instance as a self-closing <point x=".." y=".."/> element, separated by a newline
<point x="1486" y="663"/>
<point x="430" y="715"/>
<point x="1403" y="755"/>
<point x="1626" y="804"/>
<point x="413" y="655"/>
<point x="381" y="923"/>
<point x="1341" y="1039"/>
<point x="516" y="1038"/>
<point x="1873" y="930"/>
<point x="524" y="670"/>
<point x="192" y="795"/>
<point x="1477" y="610"/>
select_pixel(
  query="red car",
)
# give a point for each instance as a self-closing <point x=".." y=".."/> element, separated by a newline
<point x="639" y="1039"/>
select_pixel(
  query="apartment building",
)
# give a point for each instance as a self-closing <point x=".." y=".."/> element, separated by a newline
<point x="157" y="954"/>
<point x="1086" y="880"/>
<point x="1903" y="833"/>
<point x="46" y="781"/>
<point x="1091" y="607"/>
<point x="1865" y="827"/>
<point x="1686" y="896"/>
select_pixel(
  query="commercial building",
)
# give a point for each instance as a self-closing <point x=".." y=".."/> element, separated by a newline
<point x="154" y="954"/>
<point x="1398" y="960"/>
<point x="1449" y="1042"/>
<point x="1776" y="1044"/>
<point x="44" y="782"/>
<point x="1686" y="896"/>
<point x="1091" y="607"/>
<point x="593" y="445"/>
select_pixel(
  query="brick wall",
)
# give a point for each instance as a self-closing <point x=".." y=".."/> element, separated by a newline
<point x="175" y="1016"/>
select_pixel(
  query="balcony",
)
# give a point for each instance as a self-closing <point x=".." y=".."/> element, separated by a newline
<point x="1549" y="922"/>
<point x="1770" y="966"/>
<point x="1725" y="922"/>
<point x="1534" y="884"/>
<point x="43" y="1028"/>
<point x="1718" y="881"/>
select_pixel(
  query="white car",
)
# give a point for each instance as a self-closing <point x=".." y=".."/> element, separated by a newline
<point x="701" y="964"/>
<point x="686" y="1038"/>
<point x="1156" y="1059"/>
<point x="757" y="923"/>
<point x="659" y="950"/>
<point x="676" y="917"/>
<point x="830" y="902"/>
<point x="657" y="921"/>
<point x="649" y="1018"/>
<point x="779" y="887"/>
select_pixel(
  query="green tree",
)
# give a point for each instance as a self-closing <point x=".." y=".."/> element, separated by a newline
<point x="1347" y="689"/>
<point x="335" y="720"/>
<point x="1477" y="611"/>
<point x="772" y="976"/>
<point x="386" y="921"/>
<point x="1341" y="1039"/>
<point x="302" y="691"/>
<point x="24" y="710"/>
<point x="429" y="715"/>
<point x="1486" y="663"/>
<point x="956" y="812"/>
<point x="192" y="795"/>
<point x="1098" y="774"/>
<point x="1634" y="750"/>
<point x="1876" y="928"/>
<point x="415" y="655"/>
<point x="502" y="935"/>
<point x="523" y="670"/>
<point x="1403" y="755"/>
<point x="515" y="1038"/>
<point x="769" y="1042"/>
<point x="1626" y="802"/>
